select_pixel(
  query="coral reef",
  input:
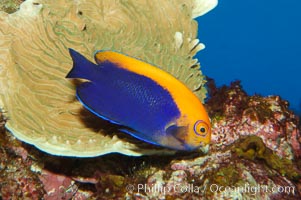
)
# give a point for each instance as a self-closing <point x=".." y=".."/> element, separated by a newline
<point x="255" y="151"/>
<point x="40" y="101"/>
<point x="245" y="168"/>
<point x="235" y="114"/>
<point x="17" y="181"/>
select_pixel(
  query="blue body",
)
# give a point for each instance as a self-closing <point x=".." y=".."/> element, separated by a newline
<point x="124" y="98"/>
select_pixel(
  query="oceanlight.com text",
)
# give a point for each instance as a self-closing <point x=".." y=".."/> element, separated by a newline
<point x="253" y="189"/>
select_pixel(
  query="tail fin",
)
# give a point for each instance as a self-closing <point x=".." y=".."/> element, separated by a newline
<point x="82" y="68"/>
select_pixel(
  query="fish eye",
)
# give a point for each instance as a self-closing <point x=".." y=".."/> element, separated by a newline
<point x="201" y="128"/>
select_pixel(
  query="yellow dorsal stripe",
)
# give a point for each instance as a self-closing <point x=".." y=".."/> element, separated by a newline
<point x="183" y="97"/>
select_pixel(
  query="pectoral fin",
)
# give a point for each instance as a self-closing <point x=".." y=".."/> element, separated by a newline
<point x="178" y="132"/>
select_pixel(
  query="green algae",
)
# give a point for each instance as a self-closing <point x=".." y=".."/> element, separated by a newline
<point x="227" y="175"/>
<point x="10" y="6"/>
<point x="222" y="177"/>
<point x="253" y="148"/>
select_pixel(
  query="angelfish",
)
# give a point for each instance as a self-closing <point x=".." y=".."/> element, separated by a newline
<point x="147" y="102"/>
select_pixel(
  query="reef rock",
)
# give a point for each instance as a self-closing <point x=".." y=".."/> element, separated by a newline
<point x="235" y="115"/>
<point x="40" y="102"/>
<point x="243" y="168"/>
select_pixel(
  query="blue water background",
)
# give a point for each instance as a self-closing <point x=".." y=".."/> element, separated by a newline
<point x="257" y="42"/>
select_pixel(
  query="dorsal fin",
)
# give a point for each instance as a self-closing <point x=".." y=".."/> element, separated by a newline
<point x="82" y="68"/>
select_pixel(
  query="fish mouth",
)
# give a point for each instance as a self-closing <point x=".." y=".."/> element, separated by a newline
<point x="204" y="148"/>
